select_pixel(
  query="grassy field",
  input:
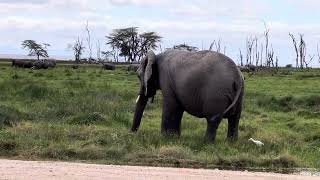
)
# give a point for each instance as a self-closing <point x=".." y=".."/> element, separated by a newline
<point x="84" y="115"/>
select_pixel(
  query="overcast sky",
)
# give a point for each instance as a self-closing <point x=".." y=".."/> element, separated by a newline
<point x="195" y="22"/>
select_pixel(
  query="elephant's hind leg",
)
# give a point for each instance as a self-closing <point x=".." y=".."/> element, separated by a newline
<point x="233" y="122"/>
<point x="171" y="117"/>
<point x="212" y="126"/>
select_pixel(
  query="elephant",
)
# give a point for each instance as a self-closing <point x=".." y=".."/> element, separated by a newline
<point x="206" y="84"/>
<point x="51" y="63"/>
<point x="108" y="66"/>
<point x="41" y="65"/>
<point x="133" y="67"/>
<point x="22" y="63"/>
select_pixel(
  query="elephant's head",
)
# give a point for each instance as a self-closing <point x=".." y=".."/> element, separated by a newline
<point x="148" y="75"/>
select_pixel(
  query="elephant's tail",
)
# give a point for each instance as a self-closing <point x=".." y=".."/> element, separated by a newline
<point x="240" y="89"/>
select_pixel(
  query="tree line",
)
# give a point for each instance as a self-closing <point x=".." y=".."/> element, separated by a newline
<point x="132" y="46"/>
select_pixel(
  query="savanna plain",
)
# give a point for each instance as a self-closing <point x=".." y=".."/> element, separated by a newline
<point x="85" y="114"/>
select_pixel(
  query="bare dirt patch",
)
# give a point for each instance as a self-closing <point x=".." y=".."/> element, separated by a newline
<point x="16" y="169"/>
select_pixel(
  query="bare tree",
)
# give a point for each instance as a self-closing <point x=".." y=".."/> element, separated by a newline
<point x="98" y="46"/>
<point x="257" y="51"/>
<point x="78" y="49"/>
<point x="270" y="60"/>
<point x="112" y="54"/>
<point x="261" y="59"/>
<point x="303" y="50"/>
<point x="249" y="46"/>
<point x="218" y="45"/>
<point x="241" y="57"/>
<point x="318" y="53"/>
<point x="89" y="41"/>
<point x="307" y="62"/>
<point x="266" y="35"/>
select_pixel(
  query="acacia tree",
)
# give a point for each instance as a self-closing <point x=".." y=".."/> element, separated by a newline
<point x="36" y="49"/>
<point x="148" y="41"/>
<point x="131" y="44"/>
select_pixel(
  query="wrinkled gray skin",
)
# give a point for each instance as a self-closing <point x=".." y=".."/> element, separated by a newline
<point x="205" y="84"/>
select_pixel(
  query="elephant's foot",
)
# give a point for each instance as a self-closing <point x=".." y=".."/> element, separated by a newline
<point x="233" y="124"/>
<point x="171" y="132"/>
<point x="232" y="138"/>
<point x="210" y="138"/>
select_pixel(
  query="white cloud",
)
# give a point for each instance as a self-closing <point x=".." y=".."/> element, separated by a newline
<point x="59" y="22"/>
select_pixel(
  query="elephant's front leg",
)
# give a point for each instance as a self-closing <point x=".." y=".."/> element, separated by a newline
<point x="171" y="117"/>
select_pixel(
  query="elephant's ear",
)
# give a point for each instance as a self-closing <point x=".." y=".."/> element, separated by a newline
<point x="150" y="60"/>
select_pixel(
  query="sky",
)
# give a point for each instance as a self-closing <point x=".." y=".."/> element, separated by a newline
<point x="194" y="22"/>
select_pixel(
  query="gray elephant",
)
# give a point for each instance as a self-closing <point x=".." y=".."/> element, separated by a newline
<point x="133" y="67"/>
<point x="108" y="66"/>
<point x="205" y="84"/>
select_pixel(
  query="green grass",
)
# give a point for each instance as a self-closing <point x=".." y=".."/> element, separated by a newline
<point x="85" y="114"/>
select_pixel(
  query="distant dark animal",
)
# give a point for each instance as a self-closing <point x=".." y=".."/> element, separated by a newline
<point x="45" y="64"/>
<point x="41" y="65"/>
<point x="51" y="63"/>
<point x="22" y="64"/>
<point x="75" y="66"/>
<point x="108" y="66"/>
<point x="133" y="67"/>
<point x="251" y="67"/>
<point x="247" y="68"/>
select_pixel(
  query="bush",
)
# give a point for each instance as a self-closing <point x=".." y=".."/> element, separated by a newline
<point x="289" y="66"/>
<point x="9" y="116"/>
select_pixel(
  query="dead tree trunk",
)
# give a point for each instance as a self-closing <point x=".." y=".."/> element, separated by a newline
<point x="241" y="58"/>
<point x="266" y="35"/>
<point x="89" y="41"/>
<point x="295" y="48"/>
<point x="302" y="48"/>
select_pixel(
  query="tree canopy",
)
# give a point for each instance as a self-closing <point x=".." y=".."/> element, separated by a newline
<point x="132" y="45"/>
<point x="36" y="49"/>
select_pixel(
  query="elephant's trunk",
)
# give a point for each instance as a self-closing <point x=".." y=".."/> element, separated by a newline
<point x="141" y="104"/>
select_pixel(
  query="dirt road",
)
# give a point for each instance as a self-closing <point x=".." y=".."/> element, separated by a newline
<point x="14" y="169"/>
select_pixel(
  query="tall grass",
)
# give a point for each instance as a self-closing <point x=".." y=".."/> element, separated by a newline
<point x="85" y="114"/>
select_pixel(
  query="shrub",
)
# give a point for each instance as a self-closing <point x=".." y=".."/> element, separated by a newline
<point x="9" y="116"/>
